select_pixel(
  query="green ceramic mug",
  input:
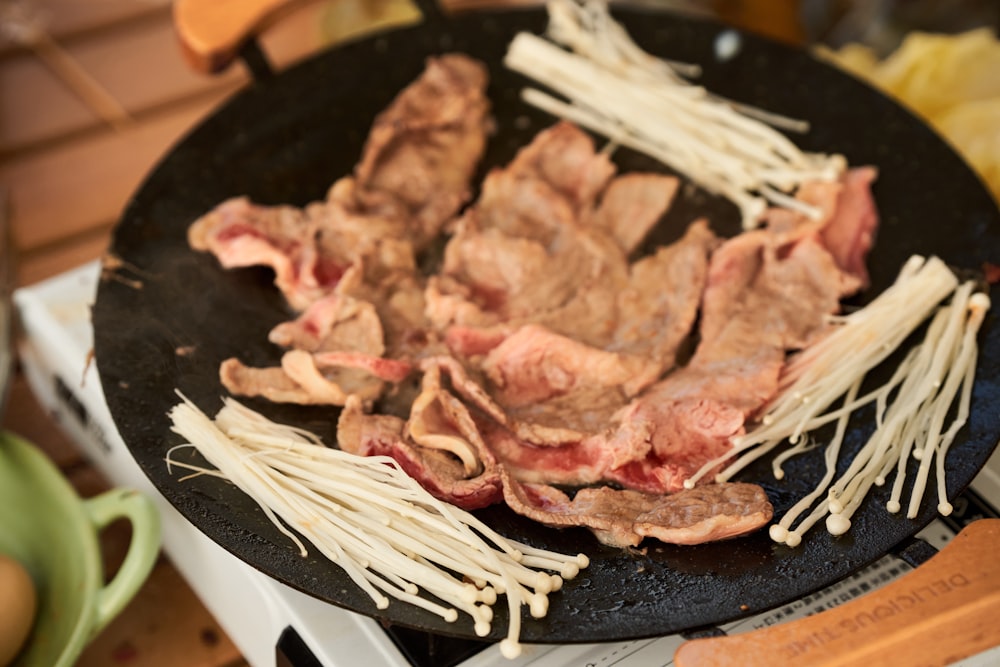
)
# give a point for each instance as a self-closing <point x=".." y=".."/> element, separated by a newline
<point x="53" y="532"/>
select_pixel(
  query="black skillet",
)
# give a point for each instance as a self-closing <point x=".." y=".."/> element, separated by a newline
<point x="168" y="316"/>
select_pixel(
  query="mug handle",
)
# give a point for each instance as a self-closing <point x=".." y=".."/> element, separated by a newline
<point x="142" y="553"/>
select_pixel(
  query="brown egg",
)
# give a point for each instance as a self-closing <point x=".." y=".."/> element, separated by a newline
<point x="17" y="607"/>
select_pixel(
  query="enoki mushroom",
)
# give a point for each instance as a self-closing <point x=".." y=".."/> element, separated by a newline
<point x="637" y="100"/>
<point x="911" y="408"/>
<point x="369" y="517"/>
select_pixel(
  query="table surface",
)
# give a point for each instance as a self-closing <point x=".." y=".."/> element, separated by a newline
<point x="68" y="172"/>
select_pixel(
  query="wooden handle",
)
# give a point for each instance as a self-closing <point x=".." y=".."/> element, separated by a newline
<point x="941" y="612"/>
<point x="212" y="32"/>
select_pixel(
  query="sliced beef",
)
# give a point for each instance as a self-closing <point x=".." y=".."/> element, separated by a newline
<point x="847" y="223"/>
<point x="551" y="183"/>
<point x="336" y="349"/>
<point x="466" y="342"/>
<point x="767" y="292"/>
<point x="539" y="354"/>
<point x="763" y="299"/>
<point x="567" y="418"/>
<point x="333" y="323"/>
<point x="587" y="314"/>
<point x="240" y="233"/>
<point x="388" y="279"/>
<point x="567" y="337"/>
<point x="468" y="383"/>
<point x="349" y="262"/>
<point x="624" y="518"/>
<point x="390" y="370"/>
<point x="438" y="420"/>
<point x="554" y="389"/>
<point x="423" y="149"/>
<point x="300" y="379"/>
<point x="575" y="464"/>
<point x="436" y="469"/>
<point x="310" y="250"/>
<point x="503" y="277"/>
<point x="524" y="252"/>
<point x="418" y="161"/>
<point x="561" y="419"/>
<point x="624" y="455"/>
<point x="631" y="206"/>
<point x="534" y="365"/>
<point x="850" y="231"/>
<point x="413" y="176"/>
<point x="490" y="278"/>
<point x="270" y="383"/>
<point x="658" y="307"/>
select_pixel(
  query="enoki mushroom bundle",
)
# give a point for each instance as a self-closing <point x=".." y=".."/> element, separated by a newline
<point x="613" y="87"/>
<point x="934" y="381"/>
<point x="369" y="517"/>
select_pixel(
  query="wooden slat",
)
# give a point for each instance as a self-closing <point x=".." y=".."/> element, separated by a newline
<point x="83" y="185"/>
<point x="65" y="18"/>
<point x="44" y="108"/>
<point x="138" y="66"/>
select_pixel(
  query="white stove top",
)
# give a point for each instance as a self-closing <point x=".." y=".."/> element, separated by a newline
<point x="56" y="317"/>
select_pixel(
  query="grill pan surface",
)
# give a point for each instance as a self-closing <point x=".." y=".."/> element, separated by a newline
<point x="285" y="139"/>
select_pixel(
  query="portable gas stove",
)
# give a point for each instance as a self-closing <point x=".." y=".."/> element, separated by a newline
<point x="289" y="628"/>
